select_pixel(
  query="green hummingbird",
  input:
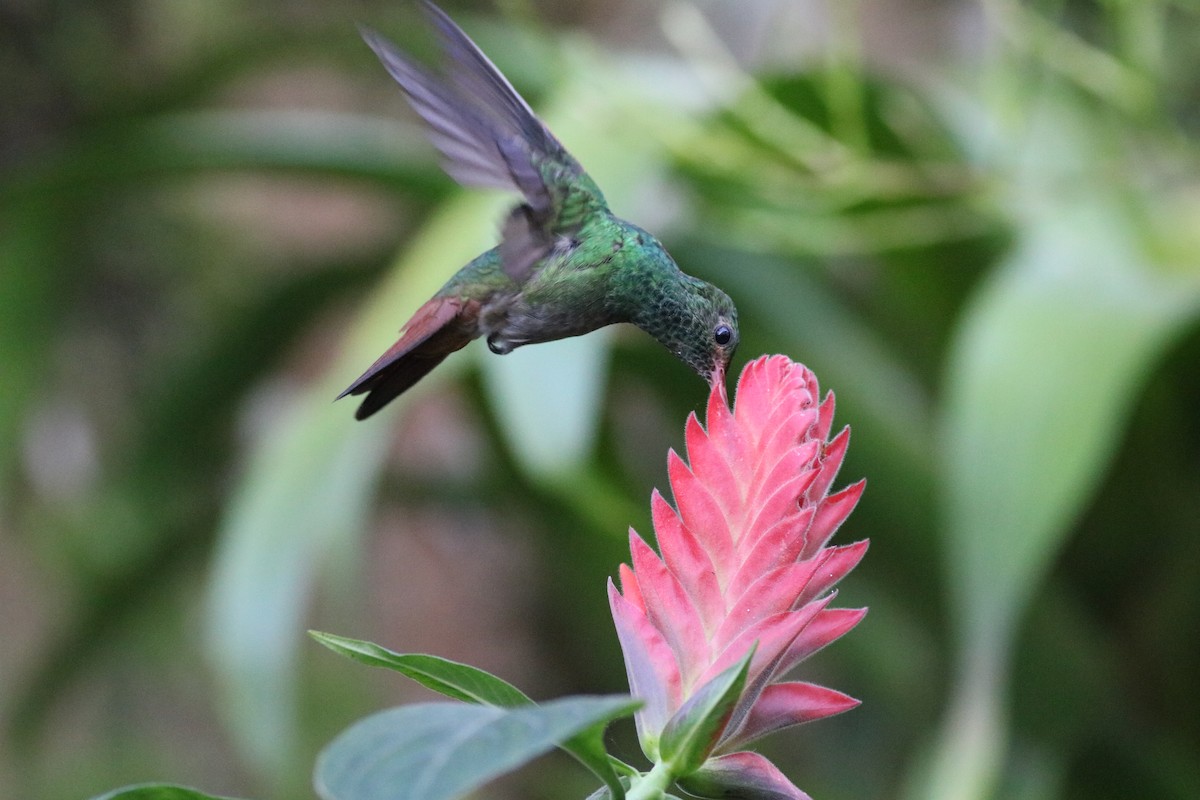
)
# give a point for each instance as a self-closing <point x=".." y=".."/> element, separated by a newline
<point x="565" y="264"/>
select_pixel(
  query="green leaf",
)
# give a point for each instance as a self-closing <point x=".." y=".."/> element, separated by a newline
<point x="441" y="751"/>
<point x="458" y="681"/>
<point x="472" y="685"/>
<point x="1045" y="370"/>
<point x="158" y="791"/>
<point x="1045" y="367"/>
<point x="689" y="736"/>
<point x="587" y="747"/>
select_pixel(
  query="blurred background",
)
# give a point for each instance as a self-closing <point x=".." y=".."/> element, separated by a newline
<point x="978" y="222"/>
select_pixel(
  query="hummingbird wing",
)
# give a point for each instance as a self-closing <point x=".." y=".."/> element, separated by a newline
<point x="437" y="329"/>
<point x="489" y="136"/>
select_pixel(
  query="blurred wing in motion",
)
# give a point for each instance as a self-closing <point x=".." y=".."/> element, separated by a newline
<point x="489" y="136"/>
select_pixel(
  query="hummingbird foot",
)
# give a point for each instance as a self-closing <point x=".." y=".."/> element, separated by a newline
<point x="500" y="347"/>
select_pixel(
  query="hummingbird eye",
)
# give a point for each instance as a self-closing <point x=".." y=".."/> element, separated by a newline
<point x="723" y="334"/>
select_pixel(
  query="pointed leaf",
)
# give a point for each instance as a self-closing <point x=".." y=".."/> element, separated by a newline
<point x="158" y="791"/>
<point x="459" y="681"/>
<point x="694" y="730"/>
<point x="588" y="749"/>
<point x="441" y="751"/>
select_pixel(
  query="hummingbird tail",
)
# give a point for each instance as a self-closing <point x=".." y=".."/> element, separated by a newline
<point x="388" y="384"/>
<point x="437" y="329"/>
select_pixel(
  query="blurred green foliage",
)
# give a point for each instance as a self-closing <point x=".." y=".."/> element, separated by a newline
<point x="983" y="232"/>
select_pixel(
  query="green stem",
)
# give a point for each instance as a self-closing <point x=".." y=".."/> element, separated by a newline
<point x="652" y="785"/>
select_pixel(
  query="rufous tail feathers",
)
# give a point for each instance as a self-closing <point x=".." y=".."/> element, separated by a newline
<point x="436" y="330"/>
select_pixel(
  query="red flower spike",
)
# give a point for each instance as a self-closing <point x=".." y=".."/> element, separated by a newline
<point x="744" y="563"/>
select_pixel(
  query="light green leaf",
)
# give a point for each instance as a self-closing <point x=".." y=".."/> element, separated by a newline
<point x="1049" y="360"/>
<point x="472" y="685"/>
<point x="1046" y="368"/>
<point x="441" y="751"/>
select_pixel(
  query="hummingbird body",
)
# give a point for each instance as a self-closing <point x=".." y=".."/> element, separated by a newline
<point x="565" y="265"/>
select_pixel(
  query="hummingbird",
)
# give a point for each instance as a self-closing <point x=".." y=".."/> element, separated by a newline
<point x="565" y="264"/>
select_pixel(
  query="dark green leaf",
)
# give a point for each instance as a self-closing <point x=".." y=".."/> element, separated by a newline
<point x="455" y="680"/>
<point x="157" y="791"/>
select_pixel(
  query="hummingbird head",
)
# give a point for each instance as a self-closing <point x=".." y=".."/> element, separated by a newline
<point x="692" y="318"/>
<point x="714" y="335"/>
<point x="698" y="323"/>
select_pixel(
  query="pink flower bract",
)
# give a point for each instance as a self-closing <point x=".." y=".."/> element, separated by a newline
<point x="744" y="560"/>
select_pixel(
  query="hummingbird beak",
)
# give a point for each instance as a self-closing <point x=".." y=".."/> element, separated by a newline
<point x="716" y="380"/>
